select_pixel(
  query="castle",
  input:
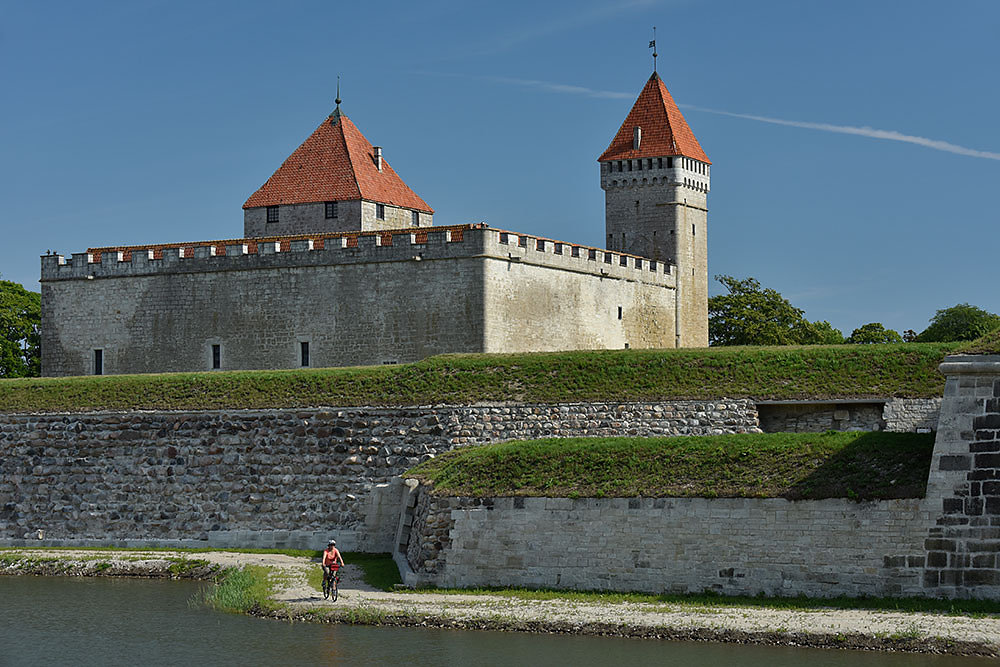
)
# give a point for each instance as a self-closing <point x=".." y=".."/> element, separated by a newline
<point x="340" y="264"/>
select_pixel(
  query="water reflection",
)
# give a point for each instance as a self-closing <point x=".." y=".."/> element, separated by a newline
<point x="45" y="620"/>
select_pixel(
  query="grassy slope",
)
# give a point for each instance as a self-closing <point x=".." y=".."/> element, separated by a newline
<point x="988" y="344"/>
<point x="790" y="465"/>
<point x="842" y="371"/>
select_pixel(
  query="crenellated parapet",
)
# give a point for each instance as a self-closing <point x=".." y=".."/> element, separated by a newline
<point x="303" y="250"/>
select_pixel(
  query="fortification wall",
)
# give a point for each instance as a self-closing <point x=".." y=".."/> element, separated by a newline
<point x="354" y="298"/>
<point x="733" y="546"/>
<point x="272" y="478"/>
<point x="899" y="415"/>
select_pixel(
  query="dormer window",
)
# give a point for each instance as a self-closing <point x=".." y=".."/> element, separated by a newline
<point x="272" y="213"/>
<point x="331" y="209"/>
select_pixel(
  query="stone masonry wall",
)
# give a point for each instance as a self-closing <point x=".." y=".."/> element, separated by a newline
<point x="733" y="546"/>
<point x="229" y="477"/>
<point x="898" y="415"/>
<point x="963" y="547"/>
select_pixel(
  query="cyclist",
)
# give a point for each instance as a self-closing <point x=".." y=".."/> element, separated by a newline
<point x="332" y="560"/>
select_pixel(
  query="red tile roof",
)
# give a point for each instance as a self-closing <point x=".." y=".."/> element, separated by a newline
<point x="664" y="130"/>
<point x="336" y="163"/>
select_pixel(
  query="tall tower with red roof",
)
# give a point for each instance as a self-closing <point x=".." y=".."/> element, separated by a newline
<point x="336" y="181"/>
<point x="656" y="178"/>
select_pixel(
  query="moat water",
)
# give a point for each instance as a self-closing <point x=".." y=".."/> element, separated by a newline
<point x="53" y="620"/>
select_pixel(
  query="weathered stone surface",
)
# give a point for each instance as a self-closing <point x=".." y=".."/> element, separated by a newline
<point x="174" y="475"/>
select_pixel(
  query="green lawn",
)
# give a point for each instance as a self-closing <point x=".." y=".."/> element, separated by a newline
<point x="835" y="371"/>
<point x="860" y="466"/>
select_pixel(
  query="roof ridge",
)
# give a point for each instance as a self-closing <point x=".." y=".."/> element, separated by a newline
<point x="339" y="126"/>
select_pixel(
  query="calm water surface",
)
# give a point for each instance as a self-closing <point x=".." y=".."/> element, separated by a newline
<point x="52" y="620"/>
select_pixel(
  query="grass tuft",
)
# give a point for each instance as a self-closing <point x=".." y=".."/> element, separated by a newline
<point x="241" y="590"/>
<point x="796" y="466"/>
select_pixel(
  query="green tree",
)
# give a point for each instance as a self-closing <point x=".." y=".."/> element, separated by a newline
<point x="874" y="333"/>
<point x="20" y="316"/>
<point x="752" y="315"/>
<point x="961" y="322"/>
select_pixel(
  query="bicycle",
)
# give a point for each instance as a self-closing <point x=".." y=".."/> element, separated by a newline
<point x="331" y="583"/>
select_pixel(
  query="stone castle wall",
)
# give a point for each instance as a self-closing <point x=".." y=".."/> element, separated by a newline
<point x="274" y="478"/>
<point x="946" y="544"/>
<point x="352" y="216"/>
<point x="732" y="546"/>
<point x="358" y="298"/>
<point x="899" y="415"/>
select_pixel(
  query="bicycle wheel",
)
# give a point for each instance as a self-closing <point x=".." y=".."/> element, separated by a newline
<point x="333" y="592"/>
<point x="326" y="588"/>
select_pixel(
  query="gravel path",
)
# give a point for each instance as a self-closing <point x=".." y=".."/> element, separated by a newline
<point x="854" y="628"/>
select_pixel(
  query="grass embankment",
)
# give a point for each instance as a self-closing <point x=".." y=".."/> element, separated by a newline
<point x="988" y="344"/>
<point x="848" y="371"/>
<point x="861" y="466"/>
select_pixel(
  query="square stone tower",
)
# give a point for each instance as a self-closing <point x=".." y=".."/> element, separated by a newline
<point x="655" y="178"/>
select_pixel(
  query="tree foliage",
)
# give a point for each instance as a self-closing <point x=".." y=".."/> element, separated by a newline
<point x="752" y="315"/>
<point x="961" y="322"/>
<point x="874" y="333"/>
<point x="20" y="316"/>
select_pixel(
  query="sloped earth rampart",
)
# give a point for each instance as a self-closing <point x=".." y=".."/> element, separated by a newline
<point x="361" y="604"/>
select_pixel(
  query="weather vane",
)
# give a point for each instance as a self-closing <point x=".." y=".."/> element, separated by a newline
<point x="652" y="45"/>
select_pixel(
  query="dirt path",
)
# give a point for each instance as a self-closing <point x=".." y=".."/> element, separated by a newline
<point x="826" y="627"/>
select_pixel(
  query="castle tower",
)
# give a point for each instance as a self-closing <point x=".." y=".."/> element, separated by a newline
<point x="655" y="178"/>
<point x="336" y="181"/>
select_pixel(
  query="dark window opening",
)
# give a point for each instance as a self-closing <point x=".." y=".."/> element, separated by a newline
<point x="630" y="165"/>
<point x="639" y="165"/>
<point x="619" y="312"/>
<point x="380" y="211"/>
<point x="670" y="163"/>
<point x="692" y="229"/>
<point x="98" y="362"/>
<point x="414" y="218"/>
<point x="331" y="209"/>
<point x="304" y="350"/>
<point x="619" y="165"/>
<point x="272" y="213"/>
<point x="216" y="357"/>
<point x="611" y="242"/>
<point x="659" y="163"/>
<point x="649" y="163"/>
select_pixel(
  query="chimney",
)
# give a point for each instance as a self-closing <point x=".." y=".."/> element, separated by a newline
<point x="378" y="157"/>
<point x="636" y="138"/>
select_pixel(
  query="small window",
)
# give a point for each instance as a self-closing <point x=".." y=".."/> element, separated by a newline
<point x="630" y="165"/>
<point x="659" y="163"/>
<point x="415" y="218"/>
<point x="331" y="209"/>
<point x="272" y="213"/>
<point x="670" y="163"/>
<point x="639" y="165"/>
<point x="649" y="163"/>
<point x="304" y="352"/>
<point x="216" y="357"/>
<point x="619" y="312"/>
<point x="611" y="242"/>
<point x="692" y="229"/>
<point x="619" y="165"/>
<point x="380" y="211"/>
<point x="98" y="362"/>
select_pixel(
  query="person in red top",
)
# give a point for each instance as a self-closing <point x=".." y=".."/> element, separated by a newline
<point x="332" y="560"/>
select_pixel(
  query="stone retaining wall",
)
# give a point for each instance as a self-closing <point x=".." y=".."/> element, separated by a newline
<point x="273" y="478"/>
<point x="733" y="546"/>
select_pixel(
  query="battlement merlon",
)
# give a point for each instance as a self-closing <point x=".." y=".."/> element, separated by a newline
<point x="408" y="244"/>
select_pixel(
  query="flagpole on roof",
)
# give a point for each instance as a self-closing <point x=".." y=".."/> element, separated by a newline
<point x="652" y="45"/>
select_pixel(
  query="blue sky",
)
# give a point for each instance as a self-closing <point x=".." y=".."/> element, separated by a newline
<point x="153" y="121"/>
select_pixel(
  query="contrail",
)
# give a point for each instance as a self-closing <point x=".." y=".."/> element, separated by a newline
<point x="870" y="132"/>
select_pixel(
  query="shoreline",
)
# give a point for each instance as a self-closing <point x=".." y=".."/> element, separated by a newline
<point x="359" y="604"/>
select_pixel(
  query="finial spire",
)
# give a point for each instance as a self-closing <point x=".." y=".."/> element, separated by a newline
<point x="652" y="45"/>
<point x="335" y="116"/>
